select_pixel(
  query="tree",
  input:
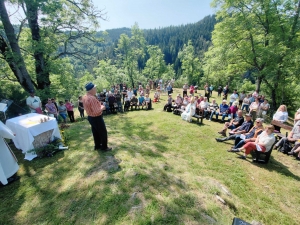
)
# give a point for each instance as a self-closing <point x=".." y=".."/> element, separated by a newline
<point x="257" y="35"/>
<point x="191" y="65"/>
<point x="155" y="65"/>
<point x="53" y="24"/>
<point x="130" y="50"/>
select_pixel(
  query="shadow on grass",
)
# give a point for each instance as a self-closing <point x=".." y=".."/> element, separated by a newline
<point x="274" y="165"/>
<point x="88" y="188"/>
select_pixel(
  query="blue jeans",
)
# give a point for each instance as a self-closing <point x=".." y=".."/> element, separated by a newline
<point x="245" y="106"/>
<point x="238" y="142"/>
<point x="217" y="115"/>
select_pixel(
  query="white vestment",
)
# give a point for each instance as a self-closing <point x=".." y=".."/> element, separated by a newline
<point x="8" y="163"/>
<point x="189" y="112"/>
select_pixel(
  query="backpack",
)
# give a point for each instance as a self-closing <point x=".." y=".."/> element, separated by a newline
<point x="286" y="147"/>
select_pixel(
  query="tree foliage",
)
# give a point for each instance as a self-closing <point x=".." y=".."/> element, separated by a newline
<point x="257" y="35"/>
<point x="64" y="25"/>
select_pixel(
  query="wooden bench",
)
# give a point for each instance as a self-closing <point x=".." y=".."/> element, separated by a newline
<point x="282" y="125"/>
<point x="197" y="116"/>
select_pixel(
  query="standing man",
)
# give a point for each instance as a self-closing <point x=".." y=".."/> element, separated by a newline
<point x="184" y="88"/>
<point x="94" y="109"/>
<point x="34" y="103"/>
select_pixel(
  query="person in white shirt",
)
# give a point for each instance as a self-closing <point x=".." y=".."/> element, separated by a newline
<point x="8" y="161"/>
<point x="263" y="108"/>
<point x="281" y="115"/>
<point x="263" y="142"/>
<point x="129" y="93"/>
<point x="233" y="97"/>
<point x="34" y="103"/>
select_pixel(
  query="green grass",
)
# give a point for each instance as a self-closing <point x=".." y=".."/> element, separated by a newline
<point x="162" y="170"/>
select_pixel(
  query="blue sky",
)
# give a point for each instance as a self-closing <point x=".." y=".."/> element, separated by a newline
<point x="152" y="13"/>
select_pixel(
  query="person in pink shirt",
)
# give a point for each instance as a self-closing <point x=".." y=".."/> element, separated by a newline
<point x="233" y="110"/>
<point x="70" y="110"/>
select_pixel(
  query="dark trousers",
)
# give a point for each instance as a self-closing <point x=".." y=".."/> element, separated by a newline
<point x="231" y="137"/>
<point x="99" y="132"/>
<point x="184" y="93"/>
<point x="81" y="111"/>
<point x="71" y="116"/>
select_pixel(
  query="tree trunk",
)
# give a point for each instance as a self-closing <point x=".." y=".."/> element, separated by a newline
<point x="258" y="83"/>
<point x="42" y="74"/>
<point x="15" y="60"/>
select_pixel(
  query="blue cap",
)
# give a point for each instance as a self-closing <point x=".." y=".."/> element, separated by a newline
<point x="89" y="86"/>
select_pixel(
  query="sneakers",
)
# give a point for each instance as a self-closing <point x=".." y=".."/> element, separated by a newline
<point x="218" y="139"/>
<point x="235" y="150"/>
<point x="242" y="157"/>
<point x="290" y="153"/>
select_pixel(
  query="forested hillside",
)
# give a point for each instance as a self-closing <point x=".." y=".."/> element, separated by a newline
<point x="169" y="39"/>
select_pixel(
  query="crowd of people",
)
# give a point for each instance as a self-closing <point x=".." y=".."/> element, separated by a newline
<point x="234" y="105"/>
<point x="248" y="135"/>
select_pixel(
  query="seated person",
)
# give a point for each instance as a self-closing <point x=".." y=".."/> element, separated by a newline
<point x="234" y="123"/>
<point x="244" y="128"/>
<point x="297" y="152"/>
<point x="262" y="143"/>
<point x="169" y="103"/>
<point x="156" y="97"/>
<point x="142" y="101"/>
<point x="203" y="106"/>
<point x="178" y="102"/>
<point x="223" y="110"/>
<point x="212" y="108"/>
<point x="133" y="102"/>
<point x="147" y="101"/>
<point x="189" y="110"/>
<point x="293" y="137"/>
<point x="249" y="137"/>
<point x="126" y="103"/>
<point x="185" y="102"/>
<point x="233" y="110"/>
<point x="281" y="116"/>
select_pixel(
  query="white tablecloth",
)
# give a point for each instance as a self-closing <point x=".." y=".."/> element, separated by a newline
<point x="28" y="126"/>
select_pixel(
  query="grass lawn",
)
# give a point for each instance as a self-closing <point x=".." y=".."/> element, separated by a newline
<point x="162" y="170"/>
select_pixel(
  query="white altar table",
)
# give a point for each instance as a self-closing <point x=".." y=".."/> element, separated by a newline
<point x="28" y="127"/>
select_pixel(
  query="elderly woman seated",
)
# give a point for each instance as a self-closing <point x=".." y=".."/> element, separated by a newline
<point x="178" y="102"/>
<point x="281" y="116"/>
<point x="241" y="140"/>
<point x="262" y="143"/>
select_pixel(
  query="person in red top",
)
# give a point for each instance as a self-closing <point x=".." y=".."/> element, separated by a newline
<point x="94" y="109"/>
<point x="70" y="111"/>
<point x="192" y="89"/>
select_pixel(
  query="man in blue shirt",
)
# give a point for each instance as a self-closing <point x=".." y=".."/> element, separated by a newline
<point x="141" y="101"/>
<point x="223" y="110"/>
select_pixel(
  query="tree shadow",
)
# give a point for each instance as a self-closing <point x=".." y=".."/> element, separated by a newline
<point x="274" y="165"/>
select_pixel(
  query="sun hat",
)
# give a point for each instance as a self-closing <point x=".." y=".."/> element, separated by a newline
<point x="89" y="86"/>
